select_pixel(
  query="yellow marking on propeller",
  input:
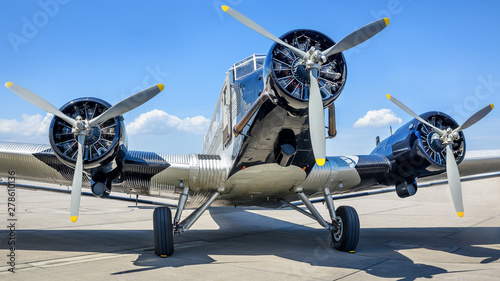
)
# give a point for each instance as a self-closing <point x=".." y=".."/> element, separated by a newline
<point x="163" y="256"/>
<point x="460" y="214"/>
<point x="224" y="7"/>
<point x="74" y="218"/>
<point x="320" y="162"/>
<point x="388" y="96"/>
<point x="160" y="86"/>
<point x="8" y="84"/>
<point x="386" y="20"/>
<point x="490" y="104"/>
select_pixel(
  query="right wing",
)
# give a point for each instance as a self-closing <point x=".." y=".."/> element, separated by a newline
<point x="476" y="162"/>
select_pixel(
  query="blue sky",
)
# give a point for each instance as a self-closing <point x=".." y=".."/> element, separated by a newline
<point x="433" y="56"/>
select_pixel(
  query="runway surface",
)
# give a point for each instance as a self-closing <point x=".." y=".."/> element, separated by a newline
<point x="401" y="239"/>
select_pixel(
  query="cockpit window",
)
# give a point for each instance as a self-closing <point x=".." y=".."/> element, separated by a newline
<point x="248" y="65"/>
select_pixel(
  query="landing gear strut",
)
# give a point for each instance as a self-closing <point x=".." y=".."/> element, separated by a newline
<point x="344" y="226"/>
<point x="164" y="229"/>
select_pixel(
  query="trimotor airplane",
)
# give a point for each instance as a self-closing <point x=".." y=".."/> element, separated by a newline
<point x="265" y="145"/>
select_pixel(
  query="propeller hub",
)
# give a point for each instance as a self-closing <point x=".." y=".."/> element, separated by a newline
<point x="314" y="58"/>
<point x="80" y="127"/>
<point x="449" y="136"/>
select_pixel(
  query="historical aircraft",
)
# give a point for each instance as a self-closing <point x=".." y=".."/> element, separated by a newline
<point x="265" y="145"/>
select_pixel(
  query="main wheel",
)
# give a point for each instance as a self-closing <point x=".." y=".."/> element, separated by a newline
<point x="346" y="236"/>
<point x="163" y="232"/>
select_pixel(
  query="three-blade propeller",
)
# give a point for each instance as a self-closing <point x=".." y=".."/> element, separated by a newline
<point x="447" y="137"/>
<point x="313" y="59"/>
<point x="81" y="128"/>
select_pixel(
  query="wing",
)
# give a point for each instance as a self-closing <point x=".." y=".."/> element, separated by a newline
<point x="143" y="173"/>
<point x="475" y="163"/>
<point x="156" y="174"/>
<point x="368" y="172"/>
<point x="357" y="176"/>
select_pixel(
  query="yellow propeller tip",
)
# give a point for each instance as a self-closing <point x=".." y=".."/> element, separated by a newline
<point x="160" y="86"/>
<point x="8" y="84"/>
<point x="386" y="20"/>
<point x="490" y="104"/>
<point x="224" y="7"/>
<point x="320" y="162"/>
<point x="74" y="218"/>
<point x="388" y="96"/>
<point x="460" y="214"/>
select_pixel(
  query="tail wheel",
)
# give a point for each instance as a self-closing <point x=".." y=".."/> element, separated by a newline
<point x="346" y="236"/>
<point x="163" y="232"/>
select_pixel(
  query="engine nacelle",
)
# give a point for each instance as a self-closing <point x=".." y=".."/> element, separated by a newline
<point x="104" y="147"/>
<point x="415" y="150"/>
<point x="287" y="80"/>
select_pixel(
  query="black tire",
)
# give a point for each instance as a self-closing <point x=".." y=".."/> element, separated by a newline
<point x="163" y="232"/>
<point x="346" y="238"/>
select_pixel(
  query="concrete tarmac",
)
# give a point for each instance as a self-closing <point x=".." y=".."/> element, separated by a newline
<point x="401" y="239"/>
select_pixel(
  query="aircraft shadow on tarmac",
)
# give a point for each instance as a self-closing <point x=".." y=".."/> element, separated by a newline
<point x="245" y="233"/>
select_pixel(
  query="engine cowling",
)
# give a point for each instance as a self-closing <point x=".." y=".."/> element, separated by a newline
<point x="287" y="79"/>
<point x="415" y="150"/>
<point x="104" y="146"/>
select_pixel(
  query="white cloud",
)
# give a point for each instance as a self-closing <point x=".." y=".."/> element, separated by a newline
<point x="29" y="126"/>
<point x="378" y="118"/>
<point x="158" y="122"/>
<point x="35" y="128"/>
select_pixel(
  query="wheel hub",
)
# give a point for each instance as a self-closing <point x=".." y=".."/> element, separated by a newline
<point x="337" y="231"/>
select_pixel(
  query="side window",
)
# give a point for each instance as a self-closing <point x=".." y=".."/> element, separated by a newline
<point x="226" y="104"/>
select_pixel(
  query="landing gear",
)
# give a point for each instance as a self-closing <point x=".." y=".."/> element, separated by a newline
<point x="164" y="229"/>
<point x="345" y="237"/>
<point x="163" y="232"/>
<point x="344" y="226"/>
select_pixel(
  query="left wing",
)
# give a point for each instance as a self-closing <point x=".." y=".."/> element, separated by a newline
<point x="143" y="173"/>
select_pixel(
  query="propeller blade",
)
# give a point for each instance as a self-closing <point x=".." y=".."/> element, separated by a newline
<point x="259" y="29"/>
<point x="127" y="104"/>
<point x="413" y="114"/>
<point x="76" y="189"/>
<point x="37" y="101"/>
<point x="316" y="119"/>
<point x="454" y="181"/>
<point x="357" y="37"/>
<point x="474" y="118"/>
